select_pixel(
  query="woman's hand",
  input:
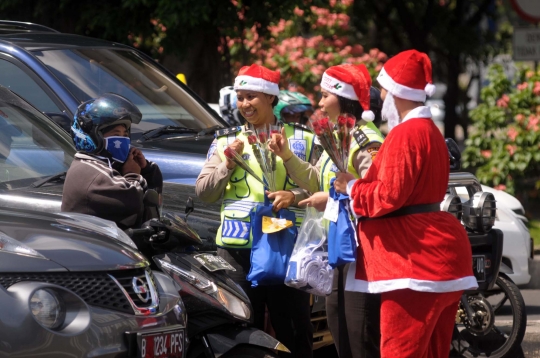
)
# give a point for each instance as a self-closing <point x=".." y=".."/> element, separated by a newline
<point x="238" y="147"/>
<point x="342" y="179"/>
<point x="282" y="199"/>
<point x="317" y="200"/>
<point x="279" y="144"/>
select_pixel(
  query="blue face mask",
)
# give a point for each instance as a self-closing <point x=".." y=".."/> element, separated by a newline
<point x="118" y="147"/>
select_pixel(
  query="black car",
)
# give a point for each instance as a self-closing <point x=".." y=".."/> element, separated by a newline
<point x="56" y="72"/>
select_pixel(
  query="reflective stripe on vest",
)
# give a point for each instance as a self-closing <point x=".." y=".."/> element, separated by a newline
<point x="328" y="168"/>
<point x="243" y="192"/>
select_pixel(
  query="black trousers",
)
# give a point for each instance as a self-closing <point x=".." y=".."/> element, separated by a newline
<point x="288" y="308"/>
<point x="354" y="319"/>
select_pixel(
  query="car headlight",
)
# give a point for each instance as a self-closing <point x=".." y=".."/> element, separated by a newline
<point x="47" y="308"/>
<point x="452" y="204"/>
<point x="479" y="212"/>
<point x="102" y="226"/>
<point x="233" y="304"/>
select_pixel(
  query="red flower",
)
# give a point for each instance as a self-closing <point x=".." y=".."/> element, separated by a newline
<point x="342" y="121"/>
<point x="511" y="149"/>
<point x="512" y="134"/>
<point x="351" y="121"/>
<point x="252" y="139"/>
<point x="229" y="153"/>
<point x="262" y="137"/>
<point x="486" y="153"/>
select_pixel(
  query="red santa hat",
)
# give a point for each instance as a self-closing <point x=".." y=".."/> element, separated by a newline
<point x="257" y="78"/>
<point x="407" y="75"/>
<point x="352" y="82"/>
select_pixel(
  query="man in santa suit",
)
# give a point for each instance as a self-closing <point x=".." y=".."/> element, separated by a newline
<point x="416" y="256"/>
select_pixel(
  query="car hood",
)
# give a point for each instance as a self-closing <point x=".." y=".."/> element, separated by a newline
<point x="205" y="219"/>
<point x="63" y="244"/>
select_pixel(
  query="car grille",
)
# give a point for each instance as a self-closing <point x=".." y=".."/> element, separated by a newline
<point x="95" y="288"/>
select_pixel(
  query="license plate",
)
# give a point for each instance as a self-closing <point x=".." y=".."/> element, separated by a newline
<point x="213" y="262"/>
<point x="479" y="265"/>
<point x="161" y="344"/>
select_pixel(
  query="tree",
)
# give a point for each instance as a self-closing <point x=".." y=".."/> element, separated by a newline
<point x="305" y="45"/>
<point x="504" y="143"/>
<point x="450" y="31"/>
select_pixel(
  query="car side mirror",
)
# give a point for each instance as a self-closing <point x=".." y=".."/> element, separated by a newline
<point x="189" y="206"/>
<point x="61" y="119"/>
<point x="454" y="154"/>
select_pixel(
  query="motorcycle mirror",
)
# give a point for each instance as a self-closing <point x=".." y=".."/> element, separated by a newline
<point x="151" y="198"/>
<point x="189" y="206"/>
<point x="454" y="153"/>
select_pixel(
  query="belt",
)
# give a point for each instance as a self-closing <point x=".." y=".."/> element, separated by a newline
<point x="407" y="210"/>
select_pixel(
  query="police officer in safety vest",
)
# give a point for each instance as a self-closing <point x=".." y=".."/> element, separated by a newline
<point x="289" y="309"/>
<point x="353" y="317"/>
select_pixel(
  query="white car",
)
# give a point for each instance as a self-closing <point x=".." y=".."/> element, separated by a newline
<point x="518" y="247"/>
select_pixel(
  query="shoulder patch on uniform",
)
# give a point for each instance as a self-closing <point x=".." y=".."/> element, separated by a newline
<point x="301" y="126"/>
<point x="360" y="137"/>
<point x="211" y="151"/>
<point x="373" y="151"/>
<point x="226" y="131"/>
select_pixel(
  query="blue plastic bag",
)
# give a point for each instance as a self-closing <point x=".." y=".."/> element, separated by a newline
<point x="270" y="253"/>
<point x="341" y="234"/>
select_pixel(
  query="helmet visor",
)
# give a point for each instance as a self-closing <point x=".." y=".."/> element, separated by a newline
<point x="110" y="108"/>
<point x="296" y="108"/>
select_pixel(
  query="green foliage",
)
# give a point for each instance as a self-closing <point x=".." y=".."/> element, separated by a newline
<point x="504" y="139"/>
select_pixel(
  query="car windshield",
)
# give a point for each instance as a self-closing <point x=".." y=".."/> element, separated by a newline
<point x="31" y="146"/>
<point x="88" y="73"/>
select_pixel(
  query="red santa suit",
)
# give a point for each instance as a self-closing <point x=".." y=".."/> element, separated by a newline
<point x="421" y="262"/>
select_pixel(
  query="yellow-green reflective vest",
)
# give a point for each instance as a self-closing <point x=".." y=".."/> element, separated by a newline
<point x="329" y="169"/>
<point x="243" y="192"/>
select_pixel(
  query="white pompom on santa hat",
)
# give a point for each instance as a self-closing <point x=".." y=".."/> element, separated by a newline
<point x="407" y="75"/>
<point x="352" y="82"/>
<point x="257" y="78"/>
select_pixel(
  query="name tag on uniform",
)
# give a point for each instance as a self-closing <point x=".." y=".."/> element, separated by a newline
<point x="332" y="209"/>
<point x="298" y="147"/>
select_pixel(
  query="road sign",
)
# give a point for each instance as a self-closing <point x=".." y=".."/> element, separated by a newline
<point x="527" y="9"/>
<point x="526" y="43"/>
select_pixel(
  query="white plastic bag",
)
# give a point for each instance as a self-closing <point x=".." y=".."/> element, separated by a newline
<point x="308" y="268"/>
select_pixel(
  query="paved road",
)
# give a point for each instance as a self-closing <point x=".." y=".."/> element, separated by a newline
<point x="531" y="343"/>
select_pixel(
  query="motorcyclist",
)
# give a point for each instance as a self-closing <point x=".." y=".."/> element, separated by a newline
<point x="228" y="107"/>
<point x="108" y="177"/>
<point x="293" y="107"/>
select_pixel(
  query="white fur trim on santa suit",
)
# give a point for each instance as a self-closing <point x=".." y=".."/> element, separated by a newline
<point x="249" y="83"/>
<point x="400" y="91"/>
<point x="418" y="112"/>
<point x="352" y="284"/>
<point x="338" y="87"/>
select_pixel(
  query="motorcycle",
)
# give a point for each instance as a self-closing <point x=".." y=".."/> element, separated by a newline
<point x="491" y="320"/>
<point x="218" y="310"/>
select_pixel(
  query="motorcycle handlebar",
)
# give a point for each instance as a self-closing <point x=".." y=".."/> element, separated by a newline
<point x="145" y="231"/>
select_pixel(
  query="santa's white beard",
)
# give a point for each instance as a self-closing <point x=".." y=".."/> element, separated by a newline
<point x="389" y="112"/>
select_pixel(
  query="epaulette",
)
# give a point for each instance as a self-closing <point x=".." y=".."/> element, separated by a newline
<point x="301" y="126"/>
<point x="360" y="137"/>
<point x="226" y="131"/>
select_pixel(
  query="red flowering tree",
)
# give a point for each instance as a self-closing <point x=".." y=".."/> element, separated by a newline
<point x="504" y="140"/>
<point x="304" y="46"/>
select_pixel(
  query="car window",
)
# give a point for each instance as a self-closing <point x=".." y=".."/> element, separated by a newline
<point x="14" y="78"/>
<point x="88" y="73"/>
<point x="31" y="146"/>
